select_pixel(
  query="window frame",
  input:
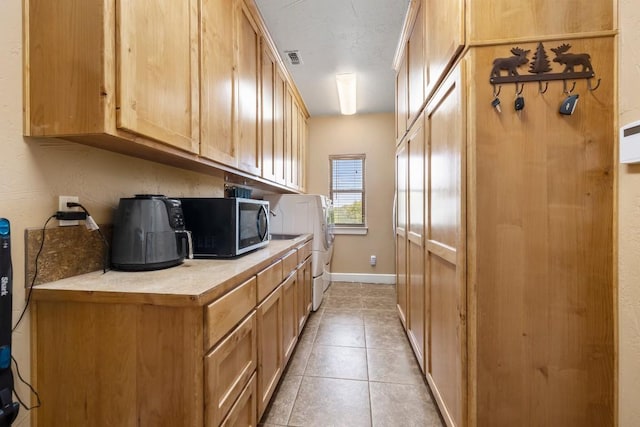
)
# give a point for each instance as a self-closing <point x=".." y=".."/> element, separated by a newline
<point x="362" y="157"/>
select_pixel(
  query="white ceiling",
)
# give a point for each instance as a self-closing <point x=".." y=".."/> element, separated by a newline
<point x="338" y="36"/>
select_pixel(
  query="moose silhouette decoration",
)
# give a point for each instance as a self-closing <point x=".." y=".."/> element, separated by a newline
<point x="511" y="63"/>
<point x="571" y="60"/>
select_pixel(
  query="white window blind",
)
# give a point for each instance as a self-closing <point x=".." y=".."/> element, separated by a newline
<point x="347" y="189"/>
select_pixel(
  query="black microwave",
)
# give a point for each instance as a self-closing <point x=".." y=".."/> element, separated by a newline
<point x="226" y="227"/>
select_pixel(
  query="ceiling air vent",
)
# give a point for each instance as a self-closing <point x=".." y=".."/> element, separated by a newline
<point x="293" y="57"/>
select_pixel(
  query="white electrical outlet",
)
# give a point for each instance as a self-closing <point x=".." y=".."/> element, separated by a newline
<point x="62" y="207"/>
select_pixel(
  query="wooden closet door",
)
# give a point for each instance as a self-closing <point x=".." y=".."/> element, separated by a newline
<point x="415" y="241"/>
<point x="157" y="71"/>
<point x="401" y="219"/>
<point x="445" y="249"/>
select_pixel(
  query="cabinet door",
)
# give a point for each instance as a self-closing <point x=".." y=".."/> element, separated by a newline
<point x="227" y="370"/>
<point x="267" y="87"/>
<point x="445" y="248"/>
<point x="217" y="75"/>
<point x="400" y="220"/>
<point x="244" y="412"/>
<point x="270" y="357"/>
<point x="302" y="160"/>
<point x="279" y="132"/>
<point x="292" y="118"/>
<point x="444" y="24"/>
<point x="305" y="294"/>
<point x="402" y="98"/>
<point x="290" y="317"/>
<point x="415" y="241"/>
<point x="157" y="71"/>
<point x="247" y="99"/>
<point x="415" y="49"/>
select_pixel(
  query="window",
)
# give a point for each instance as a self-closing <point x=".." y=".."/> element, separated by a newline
<point x="347" y="189"/>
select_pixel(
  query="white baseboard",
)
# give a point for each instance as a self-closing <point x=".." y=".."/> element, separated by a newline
<point x="382" y="279"/>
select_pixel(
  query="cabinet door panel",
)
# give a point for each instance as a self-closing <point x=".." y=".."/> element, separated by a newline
<point x="228" y="369"/>
<point x="244" y="412"/>
<point x="415" y="49"/>
<point x="267" y="87"/>
<point x="401" y="219"/>
<point x="402" y="98"/>
<point x="290" y="318"/>
<point x="444" y="21"/>
<point x="157" y="71"/>
<point x="247" y="94"/>
<point x="217" y="76"/>
<point x="445" y="249"/>
<point x="279" y="132"/>
<point x="270" y="358"/>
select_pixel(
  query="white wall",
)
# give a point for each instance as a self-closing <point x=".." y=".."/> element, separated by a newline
<point x="629" y="221"/>
<point x="373" y="135"/>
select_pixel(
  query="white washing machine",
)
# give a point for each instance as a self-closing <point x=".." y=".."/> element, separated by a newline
<point x="307" y="213"/>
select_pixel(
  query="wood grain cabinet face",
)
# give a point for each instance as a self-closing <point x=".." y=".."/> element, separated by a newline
<point x="217" y="74"/>
<point x="157" y="66"/>
<point x="228" y="369"/>
<point x="304" y="293"/>
<point x="267" y="101"/>
<point x="402" y="97"/>
<point x="290" y="318"/>
<point x="416" y="286"/>
<point x="122" y="69"/>
<point x="244" y="412"/>
<point x="279" y="130"/>
<point x="416" y="65"/>
<point x="247" y="96"/>
<point x="270" y="355"/>
<point x="401" y="219"/>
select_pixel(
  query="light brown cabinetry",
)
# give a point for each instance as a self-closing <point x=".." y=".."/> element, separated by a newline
<point x="218" y="81"/>
<point x="247" y="99"/>
<point x="400" y="223"/>
<point x="228" y="368"/>
<point x="270" y="355"/>
<point x="416" y="286"/>
<point x="178" y="83"/>
<point x="163" y="359"/>
<point x="101" y="73"/>
<point x="304" y="293"/>
<point x="289" y="313"/>
<point x="518" y="260"/>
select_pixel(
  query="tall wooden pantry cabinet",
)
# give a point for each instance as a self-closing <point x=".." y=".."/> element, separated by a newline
<point x="510" y="305"/>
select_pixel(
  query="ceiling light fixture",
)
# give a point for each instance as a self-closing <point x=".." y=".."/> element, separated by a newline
<point x="347" y="92"/>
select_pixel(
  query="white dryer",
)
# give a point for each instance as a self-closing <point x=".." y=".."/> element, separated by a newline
<point x="307" y="213"/>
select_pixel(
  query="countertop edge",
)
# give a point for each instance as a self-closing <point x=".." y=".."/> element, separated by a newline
<point x="57" y="292"/>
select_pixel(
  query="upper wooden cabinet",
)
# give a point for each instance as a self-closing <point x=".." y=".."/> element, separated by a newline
<point x="416" y="66"/>
<point x="127" y="71"/>
<point x="492" y="20"/>
<point x="444" y="23"/>
<point x="402" y="97"/>
<point x="182" y="83"/>
<point x="217" y="81"/>
<point x="247" y="99"/>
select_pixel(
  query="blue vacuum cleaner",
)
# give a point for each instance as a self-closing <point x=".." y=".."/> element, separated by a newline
<point x="8" y="408"/>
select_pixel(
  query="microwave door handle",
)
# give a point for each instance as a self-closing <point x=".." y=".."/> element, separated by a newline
<point x="262" y="212"/>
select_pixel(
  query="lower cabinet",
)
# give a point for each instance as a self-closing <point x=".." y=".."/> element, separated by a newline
<point x="227" y="368"/>
<point x="304" y="293"/>
<point x="289" y="315"/>
<point x="270" y="357"/>
<point x="192" y="365"/>
<point x="244" y="412"/>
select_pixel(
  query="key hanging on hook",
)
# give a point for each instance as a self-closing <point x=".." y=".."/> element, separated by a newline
<point x="496" y="101"/>
<point x="519" y="102"/>
<point x="568" y="106"/>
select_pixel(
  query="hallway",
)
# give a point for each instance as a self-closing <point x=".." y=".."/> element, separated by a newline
<point x="353" y="366"/>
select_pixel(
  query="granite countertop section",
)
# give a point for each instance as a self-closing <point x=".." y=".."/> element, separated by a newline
<point x="196" y="282"/>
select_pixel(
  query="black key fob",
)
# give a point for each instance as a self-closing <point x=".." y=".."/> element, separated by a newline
<point x="496" y="104"/>
<point x="519" y="103"/>
<point x="568" y="106"/>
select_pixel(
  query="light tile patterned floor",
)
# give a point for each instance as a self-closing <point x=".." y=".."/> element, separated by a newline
<point x="353" y="366"/>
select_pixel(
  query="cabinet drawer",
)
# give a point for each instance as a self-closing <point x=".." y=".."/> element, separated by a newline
<point x="289" y="263"/>
<point x="228" y="369"/>
<point x="304" y="251"/>
<point x="244" y="412"/>
<point x="268" y="280"/>
<point x="224" y="313"/>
